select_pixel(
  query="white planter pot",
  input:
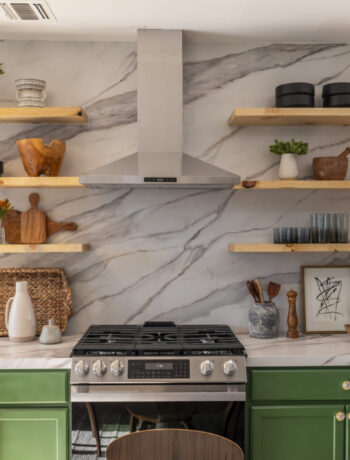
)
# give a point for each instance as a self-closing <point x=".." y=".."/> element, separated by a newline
<point x="288" y="167"/>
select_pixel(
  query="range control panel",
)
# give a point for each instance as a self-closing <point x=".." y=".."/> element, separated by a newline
<point x="159" y="369"/>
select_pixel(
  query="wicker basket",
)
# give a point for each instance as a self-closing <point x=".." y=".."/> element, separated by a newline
<point x="48" y="289"/>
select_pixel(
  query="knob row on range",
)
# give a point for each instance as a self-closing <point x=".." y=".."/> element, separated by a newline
<point x="207" y="367"/>
<point x="99" y="368"/>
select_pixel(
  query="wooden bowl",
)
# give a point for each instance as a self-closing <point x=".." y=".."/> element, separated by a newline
<point x="38" y="158"/>
<point x="330" y="168"/>
<point x="347" y="328"/>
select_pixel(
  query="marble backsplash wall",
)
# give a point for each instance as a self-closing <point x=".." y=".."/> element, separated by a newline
<point x="163" y="255"/>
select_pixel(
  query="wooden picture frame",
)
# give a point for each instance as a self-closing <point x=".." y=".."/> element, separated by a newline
<point x="325" y="298"/>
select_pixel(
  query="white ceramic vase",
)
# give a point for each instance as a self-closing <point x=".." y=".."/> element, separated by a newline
<point x="20" y="316"/>
<point x="288" y="167"/>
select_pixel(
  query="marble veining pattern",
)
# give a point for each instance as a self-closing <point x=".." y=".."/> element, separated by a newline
<point x="309" y="350"/>
<point x="163" y="255"/>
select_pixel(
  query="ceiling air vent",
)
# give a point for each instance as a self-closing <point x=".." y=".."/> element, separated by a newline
<point x="28" y="11"/>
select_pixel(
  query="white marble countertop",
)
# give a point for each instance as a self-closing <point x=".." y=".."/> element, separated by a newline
<point x="33" y="355"/>
<point x="310" y="350"/>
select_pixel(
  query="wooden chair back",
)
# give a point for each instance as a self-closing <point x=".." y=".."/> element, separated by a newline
<point x="173" y="444"/>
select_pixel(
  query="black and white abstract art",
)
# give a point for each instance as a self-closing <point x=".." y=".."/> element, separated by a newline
<point x="326" y="298"/>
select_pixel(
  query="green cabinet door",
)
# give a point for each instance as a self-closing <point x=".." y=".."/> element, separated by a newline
<point x="297" y="432"/>
<point x="34" y="434"/>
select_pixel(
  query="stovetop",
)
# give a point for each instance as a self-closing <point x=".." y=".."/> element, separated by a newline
<point x="158" y="339"/>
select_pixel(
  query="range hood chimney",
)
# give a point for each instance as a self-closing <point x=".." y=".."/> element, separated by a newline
<point x="160" y="161"/>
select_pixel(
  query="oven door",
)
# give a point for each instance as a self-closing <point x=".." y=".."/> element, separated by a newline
<point x="155" y="393"/>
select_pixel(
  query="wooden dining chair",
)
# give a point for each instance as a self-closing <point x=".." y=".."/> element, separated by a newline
<point x="173" y="444"/>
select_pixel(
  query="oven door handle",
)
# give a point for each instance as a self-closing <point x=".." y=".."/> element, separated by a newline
<point x="155" y="393"/>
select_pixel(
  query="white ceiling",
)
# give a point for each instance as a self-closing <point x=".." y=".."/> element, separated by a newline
<point x="203" y="20"/>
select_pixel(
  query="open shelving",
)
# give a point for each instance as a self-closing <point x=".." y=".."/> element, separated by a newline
<point x="293" y="184"/>
<point x="38" y="248"/>
<point x="314" y="247"/>
<point x="274" y="116"/>
<point x="43" y="115"/>
<point x="40" y="182"/>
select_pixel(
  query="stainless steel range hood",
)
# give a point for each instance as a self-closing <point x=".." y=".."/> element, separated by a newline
<point x="160" y="161"/>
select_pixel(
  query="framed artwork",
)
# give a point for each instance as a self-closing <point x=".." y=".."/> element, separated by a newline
<point x="326" y="298"/>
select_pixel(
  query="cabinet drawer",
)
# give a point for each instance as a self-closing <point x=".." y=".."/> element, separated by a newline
<point x="299" y="384"/>
<point x="34" y="387"/>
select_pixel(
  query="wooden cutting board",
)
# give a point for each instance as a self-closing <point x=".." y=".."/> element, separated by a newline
<point x="12" y="226"/>
<point x="33" y="223"/>
<point x="53" y="227"/>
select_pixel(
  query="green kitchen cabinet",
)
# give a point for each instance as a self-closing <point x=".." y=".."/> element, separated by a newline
<point x="298" y="413"/>
<point x="35" y="415"/>
<point x="297" y="432"/>
<point x="34" y="434"/>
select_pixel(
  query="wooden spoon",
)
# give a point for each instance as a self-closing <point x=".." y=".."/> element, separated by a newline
<point x="273" y="290"/>
<point x="259" y="290"/>
<point x="252" y="291"/>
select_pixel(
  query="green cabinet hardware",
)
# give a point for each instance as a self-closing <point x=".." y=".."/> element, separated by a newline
<point x="34" y="434"/>
<point x="307" y="384"/>
<point x="298" y="432"/>
<point x="34" y="387"/>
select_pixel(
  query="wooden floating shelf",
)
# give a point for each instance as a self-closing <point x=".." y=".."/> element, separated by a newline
<point x="40" y="182"/>
<point x="37" y="248"/>
<point x="293" y="184"/>
<point x="73" y="182"/>
<point x="245" y="247"/>
<point x="274" y="116"/>
<point x="42" y="115"/>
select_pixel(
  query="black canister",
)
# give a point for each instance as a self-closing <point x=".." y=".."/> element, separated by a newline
<point x="295" y="95"/>
<point x="336" y="94"/>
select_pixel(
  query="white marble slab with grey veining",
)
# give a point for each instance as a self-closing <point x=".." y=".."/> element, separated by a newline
<point x="33" y="355"/>
<point x="328" y="350"/>
<point x="162" y="255"/>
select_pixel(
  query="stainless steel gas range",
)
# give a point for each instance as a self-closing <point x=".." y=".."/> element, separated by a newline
<point x="158" y="362"/>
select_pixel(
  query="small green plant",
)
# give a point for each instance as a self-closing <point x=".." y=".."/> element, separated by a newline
<point x="5" y="206"/>
<point x="298" y="148"/>
<point x="1" y="69"/>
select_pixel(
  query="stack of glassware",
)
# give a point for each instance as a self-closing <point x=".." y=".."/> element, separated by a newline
<point x="329" y="228"/>
<point x="325" y="228"/>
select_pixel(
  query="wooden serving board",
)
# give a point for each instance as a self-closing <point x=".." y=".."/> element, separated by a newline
<point x="12" y="226"/>
<point x="33" y="223"/>
<point x="53" y="227"/>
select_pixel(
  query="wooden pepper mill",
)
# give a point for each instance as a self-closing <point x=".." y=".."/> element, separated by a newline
<point x="292" y="320"/>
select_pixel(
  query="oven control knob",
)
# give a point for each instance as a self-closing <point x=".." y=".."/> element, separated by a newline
<point x="117" y="367"/>
<point x="206" y="367"/>
<point x="230" y="367"/>
<point x="82" y="368"/>
<point x="99" y="368"/>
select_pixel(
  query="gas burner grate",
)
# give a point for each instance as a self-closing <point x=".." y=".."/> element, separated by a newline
<point x="170" y="340"/>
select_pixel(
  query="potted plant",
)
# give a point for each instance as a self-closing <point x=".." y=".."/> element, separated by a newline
<point x="1" y="69"/>
<point x="288" y="165"/>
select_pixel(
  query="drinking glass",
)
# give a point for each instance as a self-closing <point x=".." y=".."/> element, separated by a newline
<point x="313" y="229"/>
<point x="287" y="235"/>
<point x="278" y="235"/>
<point x="303" y="235"/>
<point x="332" y="231"/>
<point x="294" y="234"/>
<point x="342" y="228"/>
<point x="323" y="228"/>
